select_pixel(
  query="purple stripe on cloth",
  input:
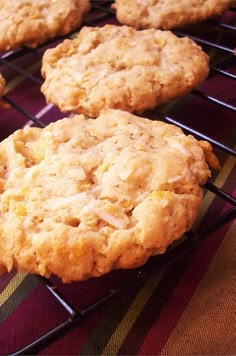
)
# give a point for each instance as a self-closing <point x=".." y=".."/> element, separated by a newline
<point x="71" y="342"/>
<point x="13" y="120"/>
<point x="35" y="315"/>
<point x="26" y="96"/>
<point x="81" y="295"/>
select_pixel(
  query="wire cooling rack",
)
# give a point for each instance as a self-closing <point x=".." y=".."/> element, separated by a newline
<point x="218" y="42"/>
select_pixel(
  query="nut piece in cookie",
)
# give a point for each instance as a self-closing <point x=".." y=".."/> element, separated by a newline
<point x="121" y="68"/>
<point x="82" y="197"/>
<point x="30" y="23"/>
<point x="167" y="14"/>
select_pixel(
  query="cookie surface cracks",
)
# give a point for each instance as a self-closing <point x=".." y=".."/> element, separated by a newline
<point x="82" y="196"/>
<point x="167" y="14"/>
<point x="30" y="23"/>
<point x="121" y="68"/>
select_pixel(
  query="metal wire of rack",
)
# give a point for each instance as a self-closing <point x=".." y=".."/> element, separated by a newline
<point x="101" y="11"/>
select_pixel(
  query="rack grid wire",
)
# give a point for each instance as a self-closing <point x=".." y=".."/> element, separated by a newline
<point x="223" y="64"/>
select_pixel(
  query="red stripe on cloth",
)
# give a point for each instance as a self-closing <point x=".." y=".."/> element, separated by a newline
<point x="35" y="316"/>
<point x="83" y="294"/>
<point x="158" y="335"/>
<point x="28" y="320"/>
<point x="74" y="339"/>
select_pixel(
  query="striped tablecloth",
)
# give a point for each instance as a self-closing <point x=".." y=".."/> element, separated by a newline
<point x="182" y="308"/>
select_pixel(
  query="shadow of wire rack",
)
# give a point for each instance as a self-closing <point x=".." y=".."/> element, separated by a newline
<point x="218" y="41"/>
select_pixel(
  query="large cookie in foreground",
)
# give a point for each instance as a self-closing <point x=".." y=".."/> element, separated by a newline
<point x="121" y="68"/>
<point x="84" y="196"/>
<point x="167" y="14"/>
<point x="30" y="23"/>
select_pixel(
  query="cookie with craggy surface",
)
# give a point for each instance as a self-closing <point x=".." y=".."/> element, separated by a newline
<point x="121" y="68"/>
<point x="82" y="197"/>
<point x="31" y="23"/>
<point x="167" y="14"/>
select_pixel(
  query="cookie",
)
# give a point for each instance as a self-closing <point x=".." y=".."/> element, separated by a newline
<point x="82" y="197"/>
<point x="167" y="14"/>
<point x="2" y="85"/>
<point x="121" y="68"/>
<point x="30" y="23"/>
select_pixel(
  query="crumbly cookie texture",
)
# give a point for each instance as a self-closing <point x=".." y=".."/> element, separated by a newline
<point x="167" y="14"/>
<point x="121" y="68"/>
<point x="30" y="23"/>
<point x="2" y="85"/>
<point x="82" y="196"/>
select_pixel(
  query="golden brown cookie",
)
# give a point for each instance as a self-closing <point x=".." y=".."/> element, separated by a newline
<point x="167" y="14"/>
<point x="121" y="68"/>
<point x="2" y="85"/>
<point x="84" y="196"/>
<point x="30" y="23"/>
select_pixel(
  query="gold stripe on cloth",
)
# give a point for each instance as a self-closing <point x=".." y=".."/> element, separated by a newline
<point x="118" y="337"/>
<point x="11" y="287"/>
